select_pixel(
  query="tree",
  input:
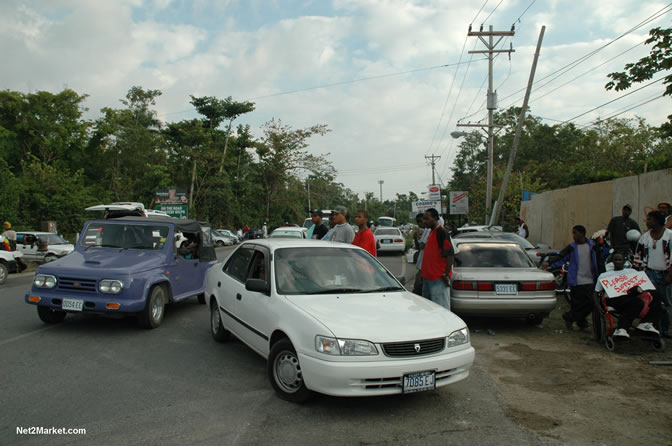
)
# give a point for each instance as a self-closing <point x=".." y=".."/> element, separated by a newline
<point x="217" y="111"/>
<point x="128" y="142"/>
<point x="281" y="151"/>
<point x="659" y="59"/>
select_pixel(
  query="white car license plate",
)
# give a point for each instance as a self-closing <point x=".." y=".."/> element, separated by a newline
<point x="386" y="241"/>
<point x="510" y="289"/>
<point x="417" y="382"/>
<point x="72" y="304"/>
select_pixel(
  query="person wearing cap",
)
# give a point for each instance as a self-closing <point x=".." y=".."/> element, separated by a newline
<point x="665" y="208"/>
<point x="9" y="233"/>
<point x="343" y="232"/>
<point x="618" y="228"/>
<point x="318" y="229"/>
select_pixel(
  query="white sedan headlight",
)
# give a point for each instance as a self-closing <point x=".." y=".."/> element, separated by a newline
<point x="344" y="347"/>
<point x="44" y="281"/>
<point x="458" y="337"/>
<point x="110" y="286"/>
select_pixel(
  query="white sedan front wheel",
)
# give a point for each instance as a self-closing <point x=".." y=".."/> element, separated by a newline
<point x="284" y="371"/>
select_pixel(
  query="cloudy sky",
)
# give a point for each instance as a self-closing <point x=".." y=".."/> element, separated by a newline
<point x="374" y="71"/>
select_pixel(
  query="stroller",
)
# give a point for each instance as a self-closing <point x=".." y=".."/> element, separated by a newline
<point x="604" y="326"/>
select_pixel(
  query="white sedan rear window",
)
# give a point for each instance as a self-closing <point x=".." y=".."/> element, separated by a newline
<point x="491" y="255"/>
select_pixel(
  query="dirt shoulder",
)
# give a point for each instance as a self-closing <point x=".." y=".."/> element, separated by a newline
<point x="564" y="385"/>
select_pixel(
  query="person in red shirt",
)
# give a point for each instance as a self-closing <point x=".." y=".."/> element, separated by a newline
<point x="364" y="238"/>
<point x="437" y="261"/>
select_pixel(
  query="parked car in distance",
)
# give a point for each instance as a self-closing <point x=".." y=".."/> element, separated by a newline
<point x="221" y="239"/>
<point x="125" y="266"/>
<point x="389" y="240"/>
<point x="229" y="233"/>
<point x="289" y="232"/>
<point x="330" y="318"/>
<point x="477" y="228"/>
<point x="535" y="252"/>
<point x="42" y="246"/>
<point x="497" y="278"/>
<point x="8" y="263"/>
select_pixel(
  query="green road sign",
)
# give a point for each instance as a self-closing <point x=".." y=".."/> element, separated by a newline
<point x="174" y="210"/>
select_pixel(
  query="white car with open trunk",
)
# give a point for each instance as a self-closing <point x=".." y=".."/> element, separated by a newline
<point x="330" y="318"/>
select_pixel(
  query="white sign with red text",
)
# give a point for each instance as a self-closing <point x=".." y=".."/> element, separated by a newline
<point x="434" y="193"/>
<point x="459" y="203"/>
<point x="619" y="284"/>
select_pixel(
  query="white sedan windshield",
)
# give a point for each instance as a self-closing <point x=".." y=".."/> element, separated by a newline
<point x="330" y="270"/>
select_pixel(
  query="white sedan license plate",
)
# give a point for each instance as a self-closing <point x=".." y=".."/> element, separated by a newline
<point x="72" y="304"/>
<point x="510" y="289"/>
<point x="417" y="382"/>
<point x="386" y="241"/>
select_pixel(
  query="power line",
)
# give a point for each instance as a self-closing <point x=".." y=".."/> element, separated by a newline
<point x="528" y="7"/>
<point x="335" y="84"/>
<point x="450" y="90"/>
<point x="614" y="100"/>
<point x="492" y="12"/>
<point x="583" y="58"/>
<point x="646" y="101"/>
<point x="586" y="72"/>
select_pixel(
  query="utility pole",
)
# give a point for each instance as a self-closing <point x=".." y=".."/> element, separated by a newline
<point x="381" y="189"/>
<point x="491" y="98"/>
<point x="519" y="127"/>
<point x="432" y="160"/>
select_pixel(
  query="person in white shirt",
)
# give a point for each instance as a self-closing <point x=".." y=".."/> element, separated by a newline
<point x="523" y="230"/>
<point x="654" y="256"/>
<point x="628" y="306"/>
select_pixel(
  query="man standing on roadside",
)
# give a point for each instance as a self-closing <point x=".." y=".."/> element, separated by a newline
<point x="10" y="234"/>
<point x="420" y="237"/>
<point x="318" y="230"/>
<point x="437" y="261"/>
<point x="618" y="228"/>
<point x="343" y="232"/>
<point x="654" y="256"/>
<point x="364" y="237"/>
<point x="581" y="276"/>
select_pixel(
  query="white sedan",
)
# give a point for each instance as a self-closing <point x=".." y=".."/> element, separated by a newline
<point x="389" y="239"/>
<point x="330" y="318"/>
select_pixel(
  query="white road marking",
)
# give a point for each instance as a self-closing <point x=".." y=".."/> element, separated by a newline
<point x="25" y="335"/>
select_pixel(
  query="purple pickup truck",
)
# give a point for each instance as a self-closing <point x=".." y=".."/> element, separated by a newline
<point x="128" y="266"/>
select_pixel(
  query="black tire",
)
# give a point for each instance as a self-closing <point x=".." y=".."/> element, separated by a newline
<point x="219" y="333"/>
<point x="659" y="345"/>
<point x="4" y="272"/>
<point x="219" y="243"/>
<point x="597" y="325"/>
<point x="284" y="372"/>
<point x="609" y="343"/>
<point x="49" y="258"/>
<point x="536" y="320"/>
<point x="155" y="308"/>
<point x="201" y="299"/>
<point x="49" y="316"/>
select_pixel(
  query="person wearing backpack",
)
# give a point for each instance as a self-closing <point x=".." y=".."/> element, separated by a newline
<point x="437" y="261"/>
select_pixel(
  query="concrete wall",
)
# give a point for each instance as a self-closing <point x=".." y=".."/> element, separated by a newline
<point x="551" y="215"/>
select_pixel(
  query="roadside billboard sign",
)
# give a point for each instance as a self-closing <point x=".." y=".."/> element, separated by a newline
<point x="422" y="206"/>
<point x="434" y="192"/>
<point x="174" y="210"/>
<point x="459" y="203"/>
<point x="173" y="196"/>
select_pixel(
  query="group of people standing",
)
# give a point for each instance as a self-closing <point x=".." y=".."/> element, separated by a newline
<point x="341" y="231"/>
<point x="650" y="252"/>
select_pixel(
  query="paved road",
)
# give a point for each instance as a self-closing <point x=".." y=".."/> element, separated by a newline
<point x="175" y="385"/>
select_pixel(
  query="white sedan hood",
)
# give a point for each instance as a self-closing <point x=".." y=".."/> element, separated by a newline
<point x="380" y="317"/>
